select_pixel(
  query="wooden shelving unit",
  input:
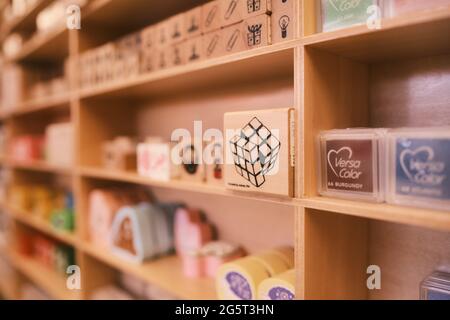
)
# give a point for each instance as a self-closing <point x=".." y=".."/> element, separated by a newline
<point x="347" y="78"/>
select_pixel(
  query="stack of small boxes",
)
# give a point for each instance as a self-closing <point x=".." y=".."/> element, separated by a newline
<point x="215" y="29"/>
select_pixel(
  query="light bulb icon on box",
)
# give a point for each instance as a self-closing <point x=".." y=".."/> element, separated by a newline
<point x="284" y="23"/>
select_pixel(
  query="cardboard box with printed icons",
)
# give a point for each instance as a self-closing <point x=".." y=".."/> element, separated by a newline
<point x="148" y="38"/>
<point x="283" y="20"/>
<point x="211" y="16"/>
<point x="177" y="54"/>
<point x="177" y="32"/>
<point x="162" y="34"/>
<point x="193" y="22"/>
<point x="257" y="31"/>
<point x="213" y="44"/>
<point x="233" y="39"/>
<point x="232" y="12"/>
<point x="338" y="14"/>
<point x="260" y="156"/>
<point x="252" y="8"/>
<point x="194" y="49"/>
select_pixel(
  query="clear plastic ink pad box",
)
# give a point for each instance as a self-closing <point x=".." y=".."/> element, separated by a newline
<point x="436" y="286"/>
<point x="352" y="164"/>
<point x="338" y="14"/>
<point x="419" y="167"/>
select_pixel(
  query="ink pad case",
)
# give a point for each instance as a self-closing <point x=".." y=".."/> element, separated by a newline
<point x="419" y="167"/>
<point x="352" y="164"/>
<point x="339" y="14"/>
<point x="436" y="286"/>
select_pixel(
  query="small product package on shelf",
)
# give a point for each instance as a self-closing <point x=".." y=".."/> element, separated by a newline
<point x="177" y="33"/>
<point x="193" y="49"/>
<point x="211" y="16"/>
<point x="395" y="8"/>
<point x="419" y="167"/>
<point x="193" y="22"/>
<point x="120" y="154"/>
<point x="436" y="286"/>
<point x="283" y="20"/>
<point x="214" y="165"/>
<point x="352" y="164"/>
<point x="252" y="8"/>
<point x="338" y="14"/>
<point x="260" y="151"/>
<point x="257" y="31"/>
<point x="154" y="161"/>
<point x="59" y="144"/>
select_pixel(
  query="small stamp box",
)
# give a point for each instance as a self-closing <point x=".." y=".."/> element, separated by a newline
<point x="338" y="14"/>
<point x="436" y="286"/>
<point x="193" y="22"/>
<point x="211" y="16"/>
<point x="283" y="20"/>
<point x="419" y="167"/>
<point x="257" y="32"/>
<point x="351" y="164"/>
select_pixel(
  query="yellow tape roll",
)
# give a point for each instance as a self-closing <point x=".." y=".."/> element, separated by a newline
<point x="239" y="280"/>
<point x="273" y="263"/>
<point x="285" y="253"/>
<point x="280" y="287"/>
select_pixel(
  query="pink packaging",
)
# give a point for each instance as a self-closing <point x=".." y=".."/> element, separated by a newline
<point x="193" y="265"/>
<point x="27" y="148"/>
<point x="191" y="231"/>
<point x="217" y="253"/>
<point x="400" y="7"/>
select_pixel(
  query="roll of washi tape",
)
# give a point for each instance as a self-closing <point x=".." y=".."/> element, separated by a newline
<point x="286" y="253"/>
<point x="239" y="280"/>
<point x="272" y="262"/>
<point x="280" y="287"/>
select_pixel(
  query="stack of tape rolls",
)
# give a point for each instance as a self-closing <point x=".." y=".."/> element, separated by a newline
<point x="280" y="287"/>
<point x="240" y="279"/>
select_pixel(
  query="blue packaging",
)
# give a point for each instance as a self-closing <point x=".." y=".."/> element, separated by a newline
<point x="419" y="167"/>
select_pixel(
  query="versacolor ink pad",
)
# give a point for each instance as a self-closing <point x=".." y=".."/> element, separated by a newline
<point x="351" y="164"/>
<point x="419" y="167"/>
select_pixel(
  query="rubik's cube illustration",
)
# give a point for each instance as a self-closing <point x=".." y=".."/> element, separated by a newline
<point x="255" y="152"/>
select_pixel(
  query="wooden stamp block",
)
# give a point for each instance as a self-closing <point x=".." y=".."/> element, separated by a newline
<point x="193" y="22"/>
<point x="162" y="34"/>
<point x="155" y="163"/>
<point x="148" y="38"/>
<point x="257" y="31"/>
<point x="260" y="151"/>
<point x="232" y="11"/>
<point x="147" y="61"/>
<point x="193" y="49"/>
<point x="162" y="58"/>
<point x="120" y="154"/>
<point x="283" y="20"/>
<point x="213" y="44"/>
<point x="233" y="39"/>
<point x="211" y="16"/>
<point x="177" y="32"/>
<point x="214" y="166"/>
<point x="254" y="8"/>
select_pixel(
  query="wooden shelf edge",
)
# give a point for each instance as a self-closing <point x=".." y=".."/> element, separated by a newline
<point x="33" y="106"/>
<point x="38" y="165"/>
<point x="180" y="185"/>
<point x="164" y="272"/>
<point x="185" y="69"/>
<point x="430" y="219"/>
<point x="42" y="226"/>
<point x="48" y="280"/>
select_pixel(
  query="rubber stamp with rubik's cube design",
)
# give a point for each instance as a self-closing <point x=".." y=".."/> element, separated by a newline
<point x="260" y="154"/>
<point x="255" y="152"/>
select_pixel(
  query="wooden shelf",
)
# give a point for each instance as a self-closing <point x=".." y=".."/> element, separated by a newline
<point x="45" y="47"/>
<point x="43" y="226"/>
<point x="51" y="282"/>
<point x="164" y="272"/>
<point x="38" y="165"/>
<point x="411" y="36"/>
<point x="128" y="177"/>
<point x="274" y="62"/>
<point x="25" y="22"/>
<point x="437" y="220"/>
<point x="33" y="106"/>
